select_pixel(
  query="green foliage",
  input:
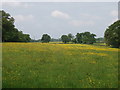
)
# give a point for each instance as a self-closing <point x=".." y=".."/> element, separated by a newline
<point x="45" y="38"/>
<point x="79" y="37"/>
<point x="100" y="40"/>
<point x="70" y="36"/>
<point x="65" y="38"/>
<point x="112" y="35"/>
<point x="85" y="38"/>
<point x="55" y="40"/>
<point x="74" y="40"/>
<point x="9" y="32"/>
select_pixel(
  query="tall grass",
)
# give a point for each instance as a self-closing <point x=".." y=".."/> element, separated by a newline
<point x="39" y="65"/>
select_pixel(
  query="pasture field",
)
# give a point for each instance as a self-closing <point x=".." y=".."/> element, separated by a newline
<point x="39" y="65"/>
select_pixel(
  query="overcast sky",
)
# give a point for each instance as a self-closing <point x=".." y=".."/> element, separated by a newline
<point x="56" y="19"/>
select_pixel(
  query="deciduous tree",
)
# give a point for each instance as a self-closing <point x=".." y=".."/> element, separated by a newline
<point x="112" y="35"/>
<point x="45" y="38"/>
<point x="9" y="32"/>
<point x="65" y="38"/>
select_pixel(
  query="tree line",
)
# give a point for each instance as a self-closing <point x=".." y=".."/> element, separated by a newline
<point x="85" y="38"/>
<point x="12" y="34"/>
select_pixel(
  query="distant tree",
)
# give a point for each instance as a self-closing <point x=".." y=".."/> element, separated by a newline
<point x="100" y="40"/>
<point x="70" y="36"/>
<point x="85" y="38"/>
<point x="112" y="34"/>
<point x="45" y="38"/>
<point x="65" y="38"/>
<point x="92" y="38"/>
<point x="55" y="40"/>
<point x="79" y="37"/>
<point x="33" y="40"/>
<point x="26" y="38"/>
<point x="74" y="40"/>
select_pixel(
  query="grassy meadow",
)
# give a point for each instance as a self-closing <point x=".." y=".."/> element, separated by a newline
<point x="41" y="65"/>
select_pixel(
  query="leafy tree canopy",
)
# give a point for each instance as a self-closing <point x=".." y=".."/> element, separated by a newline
<point x="85" y="38"/>
<point x="70" y="36"/>
<point x="112" y="33"/>
<point x="9" y="32"/>
<point x="45" y="38"/>
<point x="65" y="38"/>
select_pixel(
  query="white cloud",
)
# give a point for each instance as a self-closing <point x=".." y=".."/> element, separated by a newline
<point x="78" y="23"/>
<point x="59" y="14"/>
<point x="114" y="13"/>
<point x="22" y="18"/>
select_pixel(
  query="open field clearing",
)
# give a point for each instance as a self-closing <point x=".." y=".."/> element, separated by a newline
<point x="38" y="65"/>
